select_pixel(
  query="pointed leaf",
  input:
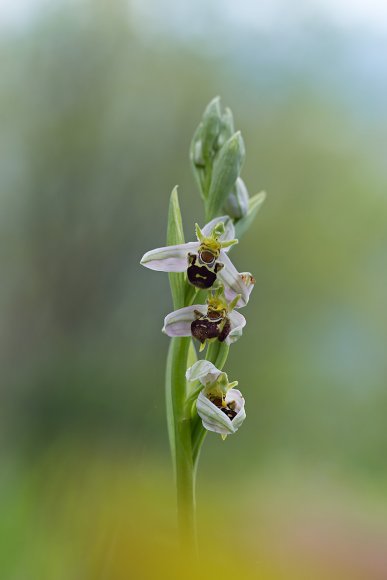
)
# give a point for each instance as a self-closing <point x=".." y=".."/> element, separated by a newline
<point x="227" y="167"/>
<point x="175" y="235"/>
<point x="197" y="160"/>
<point x="255" y="203"/>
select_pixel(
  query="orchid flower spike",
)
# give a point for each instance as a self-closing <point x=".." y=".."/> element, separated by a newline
<point x="205" y="260"/>
<point x="215" y="320"/>
<point x="220" y="406"/>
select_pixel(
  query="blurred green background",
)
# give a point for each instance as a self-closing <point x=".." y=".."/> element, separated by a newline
<point x="98" y="102"/>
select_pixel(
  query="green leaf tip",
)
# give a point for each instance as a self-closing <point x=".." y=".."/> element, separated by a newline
<point x="213" y="105"/>
<point x="175" y="235"/>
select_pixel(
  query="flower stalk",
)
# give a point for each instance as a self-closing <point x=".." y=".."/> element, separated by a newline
<point x="207" y="293"/>
<point x="179" y="427"/>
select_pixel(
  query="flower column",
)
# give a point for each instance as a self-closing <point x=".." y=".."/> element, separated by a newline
<point x="207" y="291"/>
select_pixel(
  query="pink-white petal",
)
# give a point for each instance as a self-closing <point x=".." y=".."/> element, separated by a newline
<point x="248" y="281"/>
<point x="238" y="321"/>
<point x="178" y="323"/>
<point x="235" y="396"/>
<point x="213" y="419"/>
<point x="232" y="280"/>
<point x="203" y="371"/>
<point x="169" y="258"/>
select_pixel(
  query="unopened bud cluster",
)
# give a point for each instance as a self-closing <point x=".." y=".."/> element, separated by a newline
<point x="217" y="155"/>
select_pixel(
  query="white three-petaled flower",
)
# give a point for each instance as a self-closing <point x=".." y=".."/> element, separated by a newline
<point x="215" y="320"/>
<point x="205" y="260"/>
<point x="220" y="406"/>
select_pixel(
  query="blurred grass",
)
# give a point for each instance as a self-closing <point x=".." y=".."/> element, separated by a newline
<point x="82" y="514"/>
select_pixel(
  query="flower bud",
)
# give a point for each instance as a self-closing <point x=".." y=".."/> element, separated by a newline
<point x="204" y="145"/>
<point x="211" y="124"/>
<point x="197" y="154"/>
<point x="227" y="128"/>
<point x="227" y="167"/>
<point x="237" y="203"/>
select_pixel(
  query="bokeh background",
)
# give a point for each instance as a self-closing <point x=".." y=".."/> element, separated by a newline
<point x="98" y="102"/>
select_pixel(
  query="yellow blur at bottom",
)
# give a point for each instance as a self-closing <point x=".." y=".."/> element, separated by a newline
<point x="106" y="516"/>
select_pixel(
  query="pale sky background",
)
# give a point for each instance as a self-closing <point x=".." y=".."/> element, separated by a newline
<point x="261" y="14"/>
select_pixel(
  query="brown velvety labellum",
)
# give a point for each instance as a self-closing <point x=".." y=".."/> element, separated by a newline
<point x="227" y="410"/>
<point x="200" y="276"/>
<point x="204" y="329"/>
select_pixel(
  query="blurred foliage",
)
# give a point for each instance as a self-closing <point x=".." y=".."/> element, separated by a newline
<point x="80" y="515"/>
<point x="97" y="125"/>
<point x="97" y="117"/>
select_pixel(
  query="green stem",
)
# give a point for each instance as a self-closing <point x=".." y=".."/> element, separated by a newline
<point x="217" y="353"/>
<point x="198" y="435"/>
<point x="179" y="427"/>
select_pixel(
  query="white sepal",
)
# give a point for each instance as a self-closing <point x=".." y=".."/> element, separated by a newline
<point x="214" y="419"/>
<point x="203" y="371"/>
<point x="237" y="321"/>
<point x="169" y="258"/>
<point x="233" y="281"/>
<point x="178" y="322"/>
<point x="248" y="281"/>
